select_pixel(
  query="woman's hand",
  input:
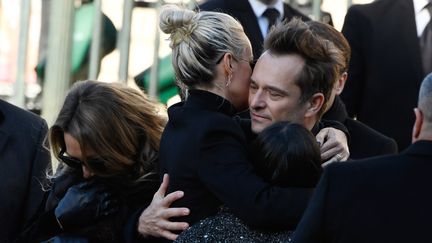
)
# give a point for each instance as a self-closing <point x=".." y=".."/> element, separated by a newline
<point x="334" y="145"/>
<point x="154" y="220"/>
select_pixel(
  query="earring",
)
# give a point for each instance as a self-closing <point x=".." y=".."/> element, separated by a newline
<point x="228" y="82"/>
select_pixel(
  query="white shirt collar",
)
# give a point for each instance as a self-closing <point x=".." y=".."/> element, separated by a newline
<point x="419" y="5"/>
<point x="422" y="15"/>
<point x="259" y="7"/>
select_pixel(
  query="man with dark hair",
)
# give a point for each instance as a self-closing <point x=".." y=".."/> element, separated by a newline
<point x="292" y="81"/>
<point x="382" y="199"/>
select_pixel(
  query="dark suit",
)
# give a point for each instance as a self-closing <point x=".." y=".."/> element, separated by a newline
<point x="23" y="161"/>
<point x="364" y="141"/>
<point x="205" y="153"/>
<point x="384" y="199"/>
<point x="243" y="12"/>
<point x="385" y="70"/>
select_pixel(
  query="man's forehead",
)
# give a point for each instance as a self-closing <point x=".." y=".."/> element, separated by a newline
<point x="279" y="72"/>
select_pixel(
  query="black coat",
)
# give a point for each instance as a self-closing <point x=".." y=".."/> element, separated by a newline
<point x="104" y="229"/>
<point x="364" y="141"/>
<point x="383" y="199"/>
<point x="386" y="67"/>
<point x="243" y="12"/>
<point x="23" y="162"/>
<point x="205" y="153"/>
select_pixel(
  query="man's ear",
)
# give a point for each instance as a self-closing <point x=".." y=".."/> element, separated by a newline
<point x="315" y="104"/>
<point x="417" y="124"/>
<point x="340" y="83"/>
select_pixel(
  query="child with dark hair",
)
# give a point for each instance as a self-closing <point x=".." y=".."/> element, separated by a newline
<point x="285" y="155"/>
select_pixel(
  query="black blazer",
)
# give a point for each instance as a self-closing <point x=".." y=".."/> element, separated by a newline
<point x="205" y="153"/>
<point x="243" y="12"/>
<point x="364" y="141"/>
<point x="385" y="72"/>
<point x="23" y="162"/>
<point x="384" y="199"/>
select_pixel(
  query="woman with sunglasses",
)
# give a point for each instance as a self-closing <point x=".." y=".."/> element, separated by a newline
<point x="106" y="138"/>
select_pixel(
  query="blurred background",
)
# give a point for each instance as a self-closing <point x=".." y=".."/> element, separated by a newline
<point x="42" y="41"/>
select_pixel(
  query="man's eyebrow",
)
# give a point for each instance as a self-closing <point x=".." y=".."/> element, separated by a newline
<point x="276" y="89"/>
<point x="271" y="88"/>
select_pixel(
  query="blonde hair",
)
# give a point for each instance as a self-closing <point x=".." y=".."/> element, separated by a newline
<point x="199" y="40"/>
<point x="120" y="124"/>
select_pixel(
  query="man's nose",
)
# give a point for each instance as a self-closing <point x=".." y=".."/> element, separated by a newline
<point x="256" y="100"/>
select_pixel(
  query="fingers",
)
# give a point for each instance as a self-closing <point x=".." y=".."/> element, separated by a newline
<point x="168" y="235"/>
<point x="330" y="150"/>
<point x="328" y="155"/>
<point x="174" y="212"/>
<point x="173" y="226"/>
<point x="172" y="197"/>
<point x="164" y="186"/>
<point x="322" y="135"/>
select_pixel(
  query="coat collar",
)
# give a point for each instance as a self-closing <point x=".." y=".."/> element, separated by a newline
<point x="209" y="101"/>
<point x="422" y="147"/>
<point x="337" y="111"/>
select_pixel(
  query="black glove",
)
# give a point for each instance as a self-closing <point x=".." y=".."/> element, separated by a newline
<point x="84" y="204"/>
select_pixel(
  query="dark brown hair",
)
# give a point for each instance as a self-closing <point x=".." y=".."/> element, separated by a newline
<point x="323" y="61"/>
<point x="120" y="124"/>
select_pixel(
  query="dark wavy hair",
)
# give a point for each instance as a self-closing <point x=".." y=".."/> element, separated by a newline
<point x="287" y="155"/>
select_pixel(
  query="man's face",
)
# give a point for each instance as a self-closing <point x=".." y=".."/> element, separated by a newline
<point x="273" y="94"/>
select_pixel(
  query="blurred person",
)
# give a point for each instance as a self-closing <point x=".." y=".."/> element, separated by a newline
<point x="382" y="199"/>
<point x="24" y="159"/>
<point x="106" y="138"/>
<point x="388" y="63"/>
<point x="284" y="154"/>
<point x="256" y="16"/>
<point x="306" y="7"/>
<point x="364" y="141"/>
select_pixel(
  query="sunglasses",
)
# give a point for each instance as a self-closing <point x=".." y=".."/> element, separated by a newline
<point x="93" y="163"/>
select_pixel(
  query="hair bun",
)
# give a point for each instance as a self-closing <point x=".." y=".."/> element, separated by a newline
<point x="178" y="22"/>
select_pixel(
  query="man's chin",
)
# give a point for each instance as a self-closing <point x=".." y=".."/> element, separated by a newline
<point x="257" y="128"/>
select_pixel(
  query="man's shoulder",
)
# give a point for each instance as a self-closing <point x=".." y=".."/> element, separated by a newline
<point x="366" y="142"/>
<point x="374" y="167"/>
<point x="375" y="8"/>
<point x="15" y="116"/>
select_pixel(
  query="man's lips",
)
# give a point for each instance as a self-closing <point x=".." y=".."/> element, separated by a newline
<point x="255" y="116"/>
